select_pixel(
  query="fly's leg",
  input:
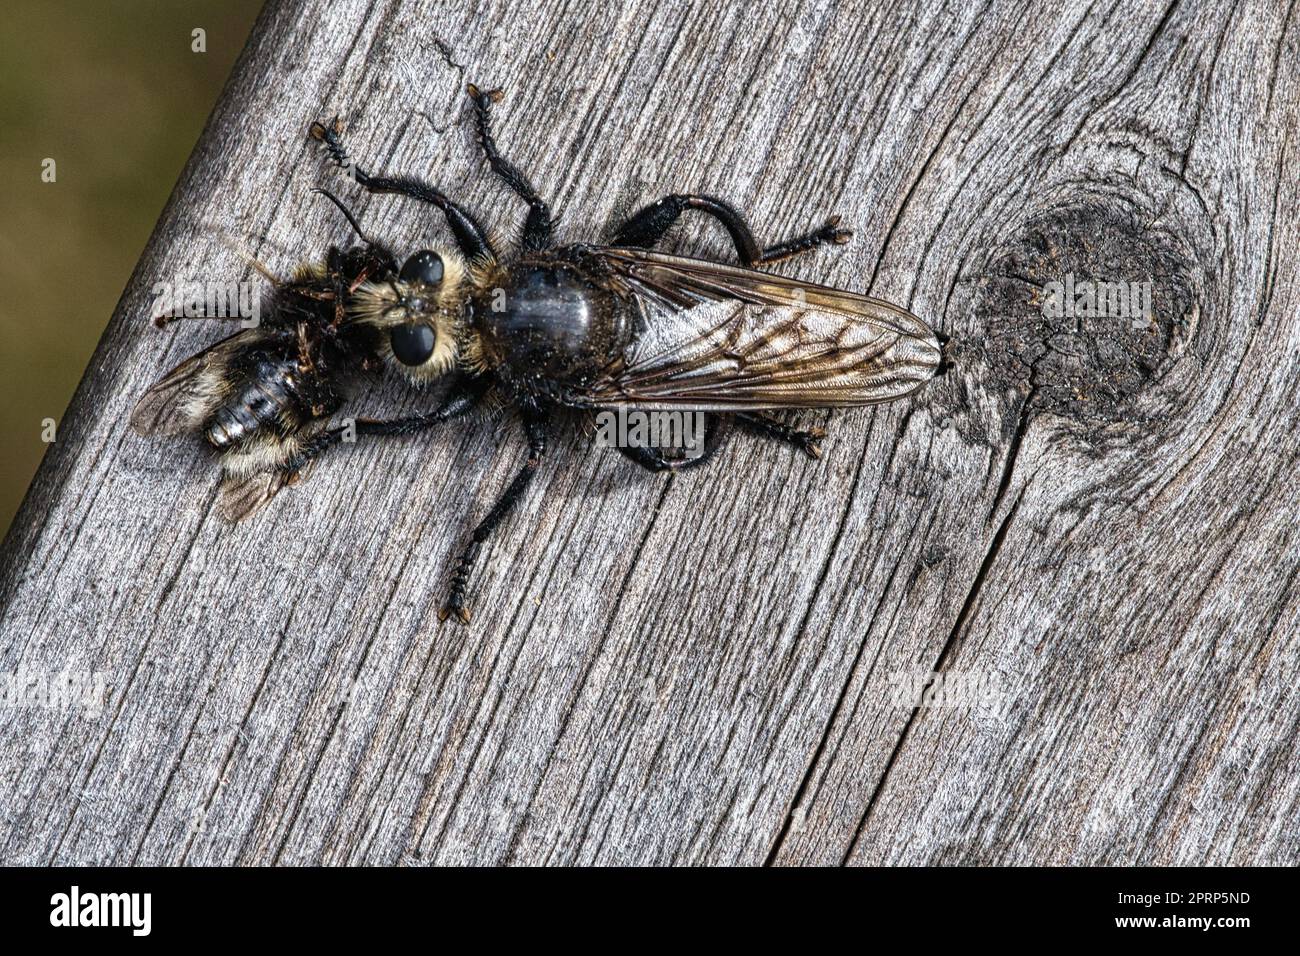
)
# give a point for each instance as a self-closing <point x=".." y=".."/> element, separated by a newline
<point x="648" y="226"/>
<point x="470" y="236"/>
<point x="808" y="441"/>
<point x="716" y="428"/>
<point x="540" y="223"/>
<point x="462" y="396"/>
<point x="535" y="427"/>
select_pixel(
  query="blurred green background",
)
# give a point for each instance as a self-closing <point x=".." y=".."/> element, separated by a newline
<point x="115" y="95"/>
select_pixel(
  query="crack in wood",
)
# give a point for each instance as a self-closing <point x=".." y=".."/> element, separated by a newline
<point x="944" y="654"/>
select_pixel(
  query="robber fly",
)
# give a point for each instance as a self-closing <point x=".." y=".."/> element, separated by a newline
<point x="261" y="398"/>
<point x="588" y="327"/>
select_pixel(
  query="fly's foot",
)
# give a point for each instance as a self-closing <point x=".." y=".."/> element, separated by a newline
<point x="454" y="609"/>
<point x="323" y="131"/>
<point x="331" y="134"/>
<point x="455" y="606"/>
<point x="484" y="99"/>
<point x="831" y="232"/>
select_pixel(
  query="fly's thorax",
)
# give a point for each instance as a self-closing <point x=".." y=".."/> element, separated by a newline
<point x="550" y="319"/>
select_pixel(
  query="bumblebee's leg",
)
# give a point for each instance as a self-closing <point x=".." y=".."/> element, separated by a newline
<point x="535" y="427"/>
<point x="470" y="236"/>
<point x="646" y="227"/>
<point x="716" y="429"/>
<point x="540" y="222"/>
<point x="808" y="441"/>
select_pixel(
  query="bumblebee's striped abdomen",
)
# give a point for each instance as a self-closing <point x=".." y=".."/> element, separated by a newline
<point x="270" y="399"/>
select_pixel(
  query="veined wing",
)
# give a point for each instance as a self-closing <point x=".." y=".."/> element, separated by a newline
<point x="178" y="401"/>
<point x="725" y="338"/>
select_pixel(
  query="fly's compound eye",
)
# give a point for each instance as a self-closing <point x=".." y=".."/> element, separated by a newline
<point x="425" y="266"/>
<point x="413" y="342"/>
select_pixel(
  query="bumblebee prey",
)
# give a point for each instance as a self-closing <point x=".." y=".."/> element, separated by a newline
<point x="548" y="328"/>
<point x="261" y="398"/>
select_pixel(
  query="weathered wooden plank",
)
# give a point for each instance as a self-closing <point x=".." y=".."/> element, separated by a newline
<point x="1098" y="518"/>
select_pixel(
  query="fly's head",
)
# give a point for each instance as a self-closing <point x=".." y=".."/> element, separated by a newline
<point x="419" y="314"/>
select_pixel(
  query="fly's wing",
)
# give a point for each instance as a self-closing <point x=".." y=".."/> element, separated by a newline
<point x="726" y="338"/>
<point x="181" y="399"/>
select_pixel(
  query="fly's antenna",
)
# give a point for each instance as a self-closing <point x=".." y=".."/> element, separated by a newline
<point x="347" y="213"/>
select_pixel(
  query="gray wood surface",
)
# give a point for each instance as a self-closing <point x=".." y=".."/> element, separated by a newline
<point x="1092" y="525"/>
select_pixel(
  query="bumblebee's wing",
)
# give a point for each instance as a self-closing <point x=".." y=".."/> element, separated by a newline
<point x="257" y="470"/>
<point x="725" y="338"/>
<point x="181" y="399"/>
<point x="242" y="496"/>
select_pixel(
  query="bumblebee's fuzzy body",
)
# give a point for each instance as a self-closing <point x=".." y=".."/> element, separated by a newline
<point x="261" y="399"/>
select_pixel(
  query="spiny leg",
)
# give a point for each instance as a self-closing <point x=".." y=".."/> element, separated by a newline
<point x="808" y="441"/>
<point x="716" y="428"/>
<point x="535" y="427"/>
<point x="648" y="226"/>
<point x="470" y="236"/>
<point x="463" y="395"/>
<point x="540" y="223"/>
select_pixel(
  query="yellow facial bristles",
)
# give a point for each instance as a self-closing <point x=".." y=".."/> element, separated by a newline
<point x="387" y="304"/>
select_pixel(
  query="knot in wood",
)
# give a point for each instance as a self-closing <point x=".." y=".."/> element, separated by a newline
<point x="1082" y="307"/>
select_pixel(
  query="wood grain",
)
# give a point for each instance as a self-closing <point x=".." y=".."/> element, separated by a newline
<point x="1096" y="522"/>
